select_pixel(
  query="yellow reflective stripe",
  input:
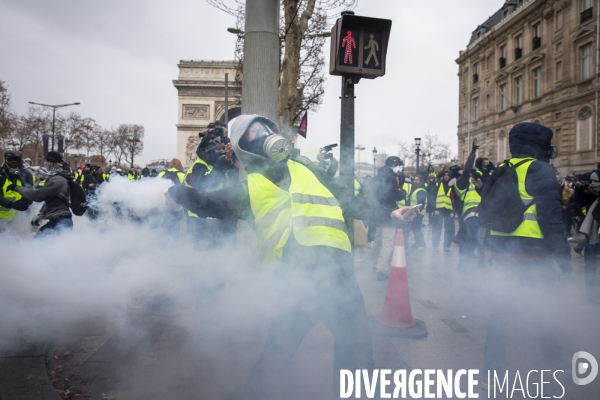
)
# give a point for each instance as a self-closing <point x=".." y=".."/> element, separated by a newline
<point x="12" y="196"/>
<point x="269" y="219"/>
<point x="320" y="221"/>
<point x="307" y="198"/>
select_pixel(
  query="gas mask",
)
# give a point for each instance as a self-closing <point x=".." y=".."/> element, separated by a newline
<point x="397" y="169"/>
<point x="268" y="144"/>
<point x="552" y="152"/>
<point x="13" y="167"/>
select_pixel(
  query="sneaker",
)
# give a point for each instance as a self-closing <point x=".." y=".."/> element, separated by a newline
<point x="382" y="276"/>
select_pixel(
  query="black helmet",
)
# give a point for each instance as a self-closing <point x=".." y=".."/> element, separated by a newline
<point x="54" y="156"/>
<point x="393" y="159"/>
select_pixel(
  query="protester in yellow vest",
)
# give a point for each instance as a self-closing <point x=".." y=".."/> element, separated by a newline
<point x="524" y="260"/>
<point x="468" y="189"/>
<point x="302" y="236"/>
<point x="10" y="200"/>
<point x="416" y="196"/>
<point x="443" y="211"/>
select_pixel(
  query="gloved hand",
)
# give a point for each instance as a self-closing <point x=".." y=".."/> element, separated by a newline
<point x="11" y="187"/>
<point x="474" y="148"/>
<point x="35" y="221"/>
<point x="565" y="267"/>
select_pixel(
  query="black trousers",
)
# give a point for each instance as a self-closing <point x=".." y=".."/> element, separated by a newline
<point x="314" y="290"/>
<point x="591" y="266"/>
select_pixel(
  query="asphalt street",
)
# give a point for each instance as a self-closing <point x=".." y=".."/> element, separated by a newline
<point x="160" y="357"/>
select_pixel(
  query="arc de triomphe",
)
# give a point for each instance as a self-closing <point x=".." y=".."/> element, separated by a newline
<point x="201" y="100"/>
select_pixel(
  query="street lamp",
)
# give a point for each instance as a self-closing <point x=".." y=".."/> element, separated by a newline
<point x="54" y="108"/>
<point x="359" y="148"/>
<point x="418" y="150"/>
<point x="374" y="161"/>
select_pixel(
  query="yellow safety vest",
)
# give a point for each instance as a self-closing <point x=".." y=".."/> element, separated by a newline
<point x="41" y="183"/>
<point x="209" y="169"/>
<point x="414" y="201"/>
<point x="407" y="188"/>
<point x="443" y="199"/>
<point x="529" y="227"/>
<point x="180" y="174"/>
<point x="469" y="197"/>
<point x="131" y="177"/>
<point x="308" y="209"/>
<point x="356" y="187"/>
<point x="6" y="213"/>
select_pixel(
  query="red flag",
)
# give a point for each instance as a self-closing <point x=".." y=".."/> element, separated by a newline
<point x="303" y="125"/>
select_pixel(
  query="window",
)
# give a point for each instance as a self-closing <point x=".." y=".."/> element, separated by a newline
<point x="587" y="61"/>
<point x="584" y="129"/>
<point x="475" y="72"/>
<point x="520" y="3"/>
<point x="505" y="14"/>
<point x="586" y="4"/>
<point x="518" y="47"/>
<point x="558" y="47"/>
<point x="537" y="35"/>
<point x="488" y="101"/>
<point x="501" y="146"/>
<point x="587" y="10"/>
<point x="558" y="71"/>
<point x="502" y="56"/>
<point x="475" y="108"/>
<point x="537" y="82"/>
<point x="559" y="20"/>
<point x="464" y="116"/>
<point x="519" y="89"/>
<point x="488" y="62"/>
<point x="502" y="99"/>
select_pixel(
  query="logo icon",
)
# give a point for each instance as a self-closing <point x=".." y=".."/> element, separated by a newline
<point x="581" y="367"/>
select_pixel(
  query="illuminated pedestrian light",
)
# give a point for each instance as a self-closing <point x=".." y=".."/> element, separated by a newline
<point x="359" y="46"/>
<point x="349" y="43"/>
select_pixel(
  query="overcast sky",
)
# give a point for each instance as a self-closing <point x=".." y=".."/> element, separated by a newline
<point x="118" y="58"/>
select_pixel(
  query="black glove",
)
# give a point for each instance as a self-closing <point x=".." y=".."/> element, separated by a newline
<point x="11" y="187"/>
<point x="19" y="205"/>
<point x="474" y="148"/>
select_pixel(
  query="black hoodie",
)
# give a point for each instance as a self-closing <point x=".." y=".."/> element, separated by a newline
<point x="533" y="140"/>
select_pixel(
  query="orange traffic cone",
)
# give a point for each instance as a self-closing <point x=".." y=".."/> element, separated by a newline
<point x="397" y="319"/>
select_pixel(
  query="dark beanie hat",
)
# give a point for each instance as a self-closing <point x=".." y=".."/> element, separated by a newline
<point x="529" y="139"/>
<point x="54" y="157"/>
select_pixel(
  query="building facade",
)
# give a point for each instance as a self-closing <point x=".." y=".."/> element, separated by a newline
<point x="201" y="100"/>
<point x="533" y="61"/>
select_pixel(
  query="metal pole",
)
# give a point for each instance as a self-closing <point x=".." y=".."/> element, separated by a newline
<point x="226" y="115"/>
<point x="418" y="151"/>
<point x="260" y="82"/>
<point x="347" y="147"/>
<point x="53" y="119"/>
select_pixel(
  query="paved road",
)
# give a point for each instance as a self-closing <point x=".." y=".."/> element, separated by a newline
<point x="169" y="352"/>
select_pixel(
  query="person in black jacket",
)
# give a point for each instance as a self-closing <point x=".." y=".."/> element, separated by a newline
<point x="10" y="200"/>
<point x="91" y="180"/>
<point x="525" y="260"/>
<point x="383" y="199"/>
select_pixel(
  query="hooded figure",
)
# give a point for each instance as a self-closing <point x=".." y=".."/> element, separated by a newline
<point x="525" y="260"/>
<point x="302" y="237"/>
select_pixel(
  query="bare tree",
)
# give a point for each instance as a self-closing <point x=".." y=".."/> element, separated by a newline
<point x="103" y="140"/>
<point x="128" y="140"/>
<point x="8" y="119"/>
<point x="433" y="151"/>
<point x="38" y="123"/>
<point x="302" y="30"/>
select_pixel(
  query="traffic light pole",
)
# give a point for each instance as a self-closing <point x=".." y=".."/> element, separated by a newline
<point x="347" y="145"/>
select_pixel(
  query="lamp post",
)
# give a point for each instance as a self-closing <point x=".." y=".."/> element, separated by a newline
<point x="54" y="108"/>
<point x="374" y="161"/>
<point x="417" y="150"/>
<point x="359" y="148"/>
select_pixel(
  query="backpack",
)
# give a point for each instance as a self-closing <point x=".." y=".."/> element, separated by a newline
<point x="501" y="208"/>
<point x="78" y="203"/>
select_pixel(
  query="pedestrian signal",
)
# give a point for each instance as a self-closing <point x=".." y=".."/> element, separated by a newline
<point x="359" y="46"/>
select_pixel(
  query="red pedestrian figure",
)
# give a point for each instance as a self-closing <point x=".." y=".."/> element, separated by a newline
<point x="349" y="43"/>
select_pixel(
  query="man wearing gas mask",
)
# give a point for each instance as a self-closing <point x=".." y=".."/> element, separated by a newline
<point x="10" y="200"/>
<point x="525" y="260"/>
<point x="301" y="236"/>
<point x="91" y="179"/>
<point x="209" y="173"/>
